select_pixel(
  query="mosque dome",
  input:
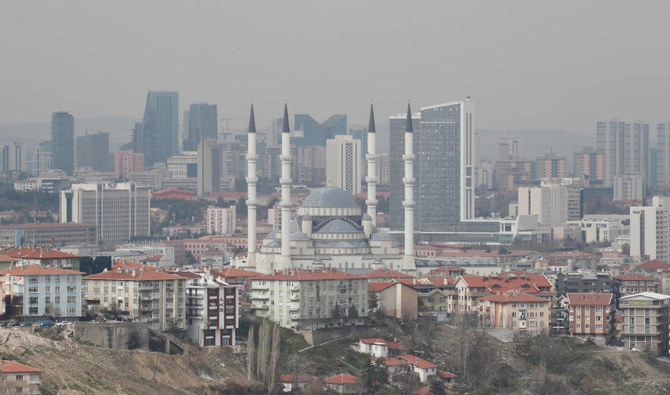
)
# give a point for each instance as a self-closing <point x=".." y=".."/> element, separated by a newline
<point x="338" y="225"/>
<point x="329" y="197"/>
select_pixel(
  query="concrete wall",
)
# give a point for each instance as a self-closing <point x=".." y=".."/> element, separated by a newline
<point x="112" y="335"/>
<point x="324" y="335"/>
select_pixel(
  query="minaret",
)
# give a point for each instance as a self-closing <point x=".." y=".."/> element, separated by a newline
<point x="252" y="179"/>
<point x="372" y="168"/>
<point x="285" y="182"/>
<point x="408" y="203"/>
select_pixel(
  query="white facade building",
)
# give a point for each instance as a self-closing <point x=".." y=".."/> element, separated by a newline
<point x="178" y="165"/>
<point x="549" y="202"/>
<point x="650" y="231"/>
<point x="120" y="211"/>
<point x="628" y="187"/>
<point x="343" y="163"/>
<point x="221" y="220"/>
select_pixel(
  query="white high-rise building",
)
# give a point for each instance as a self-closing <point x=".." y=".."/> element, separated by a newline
<point x="209" y="167"/>
<point x="343" y="163"/>
<point x="625" y="147"/>
<point x="628" y="187"/>
<point x="221" y="220"/>
<point x="549" y="202"/>
<point x="120" y="211"/>
<point x="650" y="230"/>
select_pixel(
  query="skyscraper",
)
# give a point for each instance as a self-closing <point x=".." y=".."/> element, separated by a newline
<point x="202" y="124"/>
<point x="590" y="164"/>
<point x="62" y="142"/>
<point x="444" y="173"/>
<point x="663" y="153"/>
<point x="158" y="137"/>
<point x="550" y="165"/>
<point x="209" y="167"/>
<point x="93" y="151"/>
<point x="308" y="131"/>
<point x="343" y="163"/>
<point x="625" y="147"/>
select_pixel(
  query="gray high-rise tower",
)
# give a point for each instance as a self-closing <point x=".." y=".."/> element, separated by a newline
<point x="93" y="151"/>
<point x="625" y="147"/>
<point x="62" y="142"/>
<point x="160" y="127"/>
<point x="202" y="124"/>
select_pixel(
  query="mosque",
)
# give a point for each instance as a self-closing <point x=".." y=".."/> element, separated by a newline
<point x="329" y="229"/>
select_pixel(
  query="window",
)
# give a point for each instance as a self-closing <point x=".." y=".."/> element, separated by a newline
<point x="57" y="288"/>
<point x="32" y="279"/>
<point x="57" y="299"/>
<point x="71" y="289"/>
<point x="33" y="300"/>
<point x="19" y="377"/>
<point x="47" y="289"/>
<point x="72" y="299"/>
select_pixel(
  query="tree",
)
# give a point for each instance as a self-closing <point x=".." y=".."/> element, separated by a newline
<point x="373" y="301"/>
<point x="375" y="375"/>
<point x="274" y="358"/>
<point x="251" y="353"/>
<point x="353" y="311"/>
<point x="437" y="386"/>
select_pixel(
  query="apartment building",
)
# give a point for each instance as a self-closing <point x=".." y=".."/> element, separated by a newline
<point x="519" y="312"/>
<point x="591" y="315"/>
<point x="149" y="295"/>
<point x="19" y="379"/>
<point x="48" y="257"/>
<point x="471" y="288"/>
<point x="629" y="284"/>
<point x="645" y="322"/>
<point x="221" y="220"/>
<point x="48" y="234"/>
<point x="310" y="299"/>
<point x="212" y="310"/>
<point x="36" y="291"/>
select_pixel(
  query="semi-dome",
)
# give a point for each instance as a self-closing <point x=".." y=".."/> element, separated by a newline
<point x="329" y="197"/>
<point x="338" y="225"/>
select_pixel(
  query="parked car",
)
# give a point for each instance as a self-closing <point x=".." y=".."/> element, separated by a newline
<point x="26" y="323"/>
<point x="47" y="323"/>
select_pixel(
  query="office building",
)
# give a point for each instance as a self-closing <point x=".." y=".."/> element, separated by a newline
<point x="307" y="131"/>
<point x="343" y="163"/>
<point x="650" y="230"/>
<point x="62" y="142"/>
<point x="645" y="322"/>
<point x="663" y="154"/>
<point x="93" y="151"/>
<point x="360" y="133"/>
<point x="126" y="162"/>
<point x="184" y="165"/>
<point x="221" y="220"/>
<point x="42" y="162"/>
<point x="549" y="202"/>
<point x="625" y="148"/>
<point x="48" y="234"/>
<point x="444" y="193"/>
<point x="508" y="149"/>
<point x="550" y="165"/>
<point x="202" y="124"/>
<point x="590" y="165"/>
<point x="157" y="137"/>
<point x="120" y="211"/>
<point x="629" y="188"/>
<point x="233" y="162"/>
<point x="209" y="167"/>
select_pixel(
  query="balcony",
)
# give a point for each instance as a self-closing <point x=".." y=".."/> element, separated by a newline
<point x="260" y="297"/>
<point x="260" y="306"/>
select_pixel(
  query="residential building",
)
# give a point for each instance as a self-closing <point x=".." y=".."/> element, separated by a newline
<point x="148" y="295"/>
<point x="42" y="159"/>
<point x="663" y="153"/>
<point x="93" y="151"/>
<point x="645" y="322"/>
<point x="202" y="124"/>
<point x="522" y="313"/>
<point x="184" y="165"/>
<point x="309" y="299"/>
<point x="653" y="268"/>
<point x="20" y="379"/>
<point x="589" y="165"/>
<point x="288" y="383"/>
<point x="629" y="187"/>
<point x="550" y="165"/>
<point x="343" y="164"/>
<point x="576" y="282"/>
<point x="375" y="347"/>
<point x="209" y="167"/>
<point x="396" y="299"/>
<point x="591" y="315"/>
<point x="221" y="220"/>
<point x="212" y="310"/>
<point x="650" y="231"/>
<point x="48" y="234"/>
<point x="40" y="256"/>
<point x="62" y="142"/>
<point x="126" y="162"/>
<point x="509" y="149"/>
<point x="157" y="137"/>
<point x="472" y="288"/>
<point x="602" y="228"/>
<point x="343" y="384"/>
<point x="310" y="165"/>
<point x="120" y="211"/>
<point x="35" y="291"/>
<point x="629" y="284"/>
<point x="424" y="369"/>
<point x="510" y="174"/>
<point x="549" y="202"/>
<point x="625" y="148"/>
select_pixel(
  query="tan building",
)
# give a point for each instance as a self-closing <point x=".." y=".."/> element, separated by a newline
<point x="148" y="295"/>
<point x="396" y="299"/>
<point x="591" y="315"/>
<point x="590" y="164"/>
<point x="645" y="322"/>
<point x="519" y="312"/>
<point x="126" y="162"/>
<point x="19" y="379"/>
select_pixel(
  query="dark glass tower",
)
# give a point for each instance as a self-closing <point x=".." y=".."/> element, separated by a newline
<point x="62" y="142"/>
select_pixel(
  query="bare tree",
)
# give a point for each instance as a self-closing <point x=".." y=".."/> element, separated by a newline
<point x="264" y="350"/>
<point x="274" y="358"/>
<point x="251" y="353"/>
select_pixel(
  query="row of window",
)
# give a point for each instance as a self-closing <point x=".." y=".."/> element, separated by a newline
<point x="47" y="289"/>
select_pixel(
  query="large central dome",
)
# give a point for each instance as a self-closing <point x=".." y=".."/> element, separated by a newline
<point x="329" y="197"/>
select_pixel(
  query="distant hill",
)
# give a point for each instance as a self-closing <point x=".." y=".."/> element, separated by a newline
<point x="535" y="142"/>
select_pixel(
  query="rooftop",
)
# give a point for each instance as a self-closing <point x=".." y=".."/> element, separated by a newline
<point x="416" y="361"/>
<point x="342" y="379"/>
<point x="14" y="367"/>
<point x="133" y="275"/>
<point x="514" y="298"/>
<point x="329" y="197"/>
<point x="590" y="299"/>
<point x="35" y="270"/>
<point x="303" y="275"/>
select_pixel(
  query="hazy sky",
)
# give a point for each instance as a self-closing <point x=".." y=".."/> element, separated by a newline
<point x="527" y="64"/>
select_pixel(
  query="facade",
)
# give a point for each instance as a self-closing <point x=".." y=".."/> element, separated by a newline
<point x="579" y="283"/>
<point x="308" y="131"/>
<point x="120" y="211"/>
<point x="509" y="174"/>
<point x="47" y="234"/>
<point x="550" y="165"/>
<point x="421" y="367"/>
<point x="221" y="220"/>
<point x="311" y="165"/>
<point x="212" y="311"/>
<point x="62" y="142"/>
<point x="629" y="187"/>
<point x="202" y="124"/>
<point x="147" y="295"/>
<point x="309" y="299"/>
<point x="589" y="164"/>
<point x="516" y="311"/>
<point x="157" y="137"/>
<point x="184" y="165"/>
<point x="126" y="162"/>
<point x="650" y="231"/>
<point x="444" y="171"/>
<point x="549" y="202"/>
<point x="625" y="147"/>
<point x="471" y="288"/>
<point x="36" y="291"/>
<point x="591" y="315"/>
<point x="20" y="379"/>
<point x="42" y="159"/>
<point x="663" y="154"/>
<point x="396" y="299"/>
<point x="209" y="167"/>
<point x="629" y="284"/>
<point x="93" y="151"/>
<point x="645" y="322"/>
<point x="343" y="164"/>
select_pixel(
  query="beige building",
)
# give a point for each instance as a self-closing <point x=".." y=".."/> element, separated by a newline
<point x="645" y="322"/>
<point x="19" y="379"/>
<point x="520" y="312"/>
<point x="396" y="299"/>
<point x="126" y="162"/>
<point x="591" y="315"/>
<point x="310" y="299"/>
<point x="149" y="295"/>
<point x="221" y="220"/>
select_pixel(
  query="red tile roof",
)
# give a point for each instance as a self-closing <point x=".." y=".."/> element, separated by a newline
<point x="390" y="361"/>
<point x="342" y="379"/>
<point x="38" y="253"/>
<point x="305" y="378"/>
<point x="519" y="281"/>
<point x="445" y="375"/>
<point x="14" y="367"/>
<point x="185" y="274"/>
<point x="133" y="275"/>
<point x="379" y="286"/>
<point x="123" y="264"/>
<point x="633" y="277"/>
<point x="36" y="270"/>
<point x="7" y="258"/>
<point x="302" y="275"/>
<point x="234" y="272"/>
<point x="590" y="299"/>
<point x="514" y="298"/>
<point x="386" y="273"/>
<point x="416" y="361"/>
<point x="422" y="391"/>
<point x="654" y="265"/>
<point x="372" y="340"/>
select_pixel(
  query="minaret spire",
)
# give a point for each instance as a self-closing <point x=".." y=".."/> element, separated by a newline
<point x="371" y="178"/>
<point x="408" y="203"/>
<point x="252" y="180"/>
<point x="285" y="182"/>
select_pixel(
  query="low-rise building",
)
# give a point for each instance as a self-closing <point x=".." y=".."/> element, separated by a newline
<point x="519" y="312"/>
<point x="148" y="295"/>
<point x="19" y="379"/>
<point x="343" y="384"/>
<point x="421" y="367"/>
<point x="375" y="347"/>
<point x="49" y="234"/>
<point x="645" y="322"/>
<point x="591" y="315"/>
<point x="43" y="256"/>
<point x="471" y="288"/>
<point x="396" y="299"/>
<point x="629" y="284"/>
<point x="577" y="282"/>
<point x="36" y="291"/>
<point x="288" y="383"/>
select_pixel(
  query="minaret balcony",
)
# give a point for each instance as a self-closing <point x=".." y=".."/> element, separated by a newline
<point x="252" y="157"/>
<point x="285" y="158"/>
<point x="407" y="157"/>
<point x="408" y="180"/>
